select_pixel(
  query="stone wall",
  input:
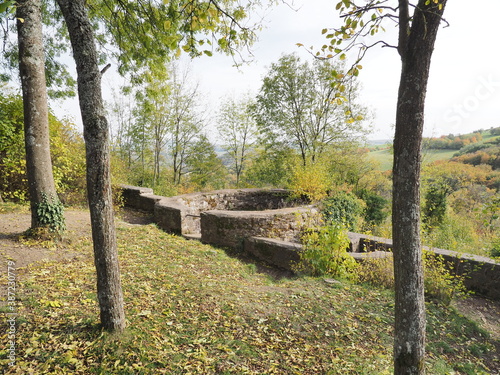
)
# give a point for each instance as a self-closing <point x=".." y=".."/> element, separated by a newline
<point x="482" y="275"/>
<point x="224" y="218"/>
<point x="231" y="228"/>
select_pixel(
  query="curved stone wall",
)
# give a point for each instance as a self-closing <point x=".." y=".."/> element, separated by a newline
<point x="262" y="223"/>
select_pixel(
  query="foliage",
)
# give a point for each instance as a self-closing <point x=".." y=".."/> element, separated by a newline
<point x="191" y="308"/>
<point x="237" y="131"/>
<point x="377" y="271"/>
<point x="163" y="30"/>
<point x="456" y="234"/>
<point x="50" y="213"/>
<point x="440" y="284"/>
<point x="311" y="182"/>
<point x="343" y="208"/>
<point x="375" y="207"/>
<point x="206" y="170"/>
<point x="272" y="166"/>
<point x="471" y="149"/>
<point x="161" y="139"/>
<point x="68" y="160"/>
<point x="325" y="253"/>
<point x="452" y="142"/>
<point x="435" y="205"/>
<point x="67" y="150"/>
<point x="488" y="155"/>
<point x="13" y="182"/>
<point x="300" y="106"/>
<point x="495" y="248"/>
<point x="60" y="83"/>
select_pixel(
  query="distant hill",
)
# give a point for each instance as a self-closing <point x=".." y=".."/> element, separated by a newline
<point x="442" y="148"/>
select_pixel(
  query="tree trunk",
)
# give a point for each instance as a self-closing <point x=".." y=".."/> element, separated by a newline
<point x="416" y="50"/>
<point x="36" y="122"/>
<point x="96" y="134"/>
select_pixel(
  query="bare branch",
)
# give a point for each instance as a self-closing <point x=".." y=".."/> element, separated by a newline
<point x="105" y="68"/>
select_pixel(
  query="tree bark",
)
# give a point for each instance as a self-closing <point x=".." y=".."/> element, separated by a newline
<point x="96" y="134"/>
<point x="36" y="121"/>
<point x="416" y="50"/>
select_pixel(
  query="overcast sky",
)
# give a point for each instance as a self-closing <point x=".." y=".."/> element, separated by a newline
<point x="464" y="87"/>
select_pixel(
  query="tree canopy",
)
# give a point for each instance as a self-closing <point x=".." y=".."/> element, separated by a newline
<point x="300" y="105"/>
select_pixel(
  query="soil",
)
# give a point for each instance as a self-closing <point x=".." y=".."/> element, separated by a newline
<point x="485" y="312"/>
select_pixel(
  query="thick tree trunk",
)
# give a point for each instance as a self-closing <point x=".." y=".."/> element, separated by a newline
<point x="36" y="121"/>
<point x="416" y="51"/>
<point x="96" y="135"/>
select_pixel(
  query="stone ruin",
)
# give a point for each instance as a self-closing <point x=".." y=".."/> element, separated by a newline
<point x="267" y="224"/>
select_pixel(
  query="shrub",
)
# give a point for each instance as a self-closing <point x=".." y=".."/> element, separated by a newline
<point x="311" y="181"/>
<point x="325" y="253"/>
<point x="375" y="212"/>
<point x="439" y="283"/>
<point x="495" y="248"/>
<point x="343" y="208"/>
<point x="377" y="271"/>
<point x="456" y="234"/>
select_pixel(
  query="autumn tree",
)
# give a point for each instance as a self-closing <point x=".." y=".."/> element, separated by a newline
<point x="298" y="106"/>
<point x="96" y="135"/>
<point x="153" y="116"/>
<point x="237" y="131"/>
<point x="206" y="170"/>
<point x="46" y="209"/>
<point x="146" y="33"/>
<point x="418" y="23"/>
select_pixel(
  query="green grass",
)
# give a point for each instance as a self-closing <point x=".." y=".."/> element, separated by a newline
<point x="192" y="309"/>
<point x="384" y="157"/>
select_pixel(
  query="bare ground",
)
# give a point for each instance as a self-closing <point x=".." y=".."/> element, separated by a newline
<point x="484" y="311"/>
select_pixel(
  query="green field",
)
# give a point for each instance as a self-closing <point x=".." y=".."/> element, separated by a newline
<point x="384" y="157"/>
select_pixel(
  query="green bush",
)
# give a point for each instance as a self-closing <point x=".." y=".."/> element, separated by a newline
<point x="375" y="212"/>
<point x="343" y="208"/>
<point x="495" y="248"/>
<point x="456" y="234"/>
<point x="439" y="283"/>
<point x="325" y="253"/>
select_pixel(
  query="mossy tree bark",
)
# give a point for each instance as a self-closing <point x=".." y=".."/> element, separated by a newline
<point x="36" y="122"/>
<point x="96" y="134"/>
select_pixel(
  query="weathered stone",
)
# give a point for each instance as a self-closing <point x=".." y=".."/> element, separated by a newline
<point x="272" y="234"/>
<point x="278" y="253"/>
<point x="231" y="228"/>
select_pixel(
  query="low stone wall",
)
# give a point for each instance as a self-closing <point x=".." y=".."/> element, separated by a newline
<point x="482" y="275"/>
<point x="231" y="228"/>
<point x="271" y="235"/>
<point x="139" y="198"/>
<point x="182" y="214"/>
<point x="278" y="253"/>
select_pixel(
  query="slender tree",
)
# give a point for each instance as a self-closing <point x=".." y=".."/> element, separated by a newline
<point x="96" y="135"/>
<point x="185" y="121"/>
<point x="238" y="131"/>
<point x="147" y="33"/>
<point x="418" y="26"/>
<point x="42" y="190"/>
<point x="298" y="105"/>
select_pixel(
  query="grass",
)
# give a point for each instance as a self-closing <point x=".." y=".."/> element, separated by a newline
<point x="192" y="309"/>
<point x="384" y="157"/>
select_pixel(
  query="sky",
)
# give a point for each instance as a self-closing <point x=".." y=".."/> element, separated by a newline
<point x="464" y="87"/>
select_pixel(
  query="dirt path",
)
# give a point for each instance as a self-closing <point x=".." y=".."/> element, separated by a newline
<point x="485" y="312"/>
